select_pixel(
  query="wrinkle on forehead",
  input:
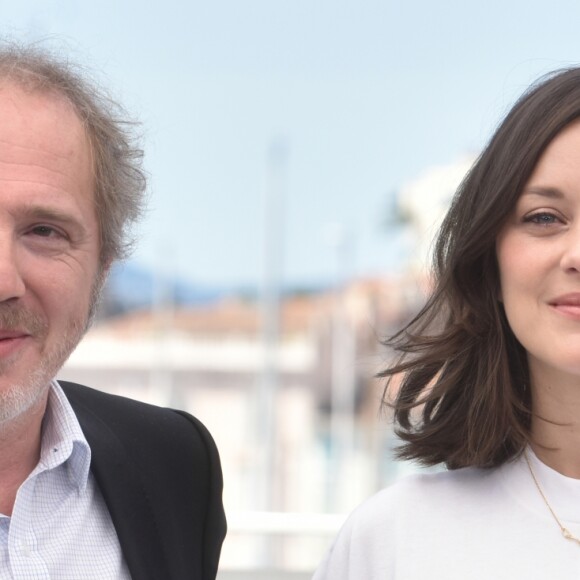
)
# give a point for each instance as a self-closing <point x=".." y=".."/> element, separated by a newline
<point x="49" y="110"/>
<point x="40" y="166"/>
<point x="41" y="130"/>
<point x="33" y="149"/>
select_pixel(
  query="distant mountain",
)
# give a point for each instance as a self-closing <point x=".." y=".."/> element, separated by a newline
<point x="131" y="286"/>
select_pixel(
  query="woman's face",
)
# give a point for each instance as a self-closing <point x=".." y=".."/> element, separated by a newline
<point x="538" y="253"/>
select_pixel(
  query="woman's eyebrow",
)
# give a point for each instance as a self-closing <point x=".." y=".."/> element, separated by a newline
<point x="549" y="192"/>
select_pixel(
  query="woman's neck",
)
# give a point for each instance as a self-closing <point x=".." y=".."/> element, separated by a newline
<point x="555" y="425"/>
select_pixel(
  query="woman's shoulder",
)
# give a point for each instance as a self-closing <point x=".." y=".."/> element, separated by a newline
<point x="423" y="499"/>
<point x="410" y="512"/>
<point x="430" y="488"/>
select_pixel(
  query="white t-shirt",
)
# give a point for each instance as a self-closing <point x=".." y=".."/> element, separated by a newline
<point x="467" y="524"/>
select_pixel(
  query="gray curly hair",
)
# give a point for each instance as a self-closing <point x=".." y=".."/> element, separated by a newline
<point x="120" y="181"/>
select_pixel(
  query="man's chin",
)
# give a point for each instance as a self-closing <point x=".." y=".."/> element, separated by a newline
<point x="19" y="400"/>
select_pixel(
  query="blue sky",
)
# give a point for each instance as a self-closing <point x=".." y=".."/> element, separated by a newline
<point x="365" y="94"/>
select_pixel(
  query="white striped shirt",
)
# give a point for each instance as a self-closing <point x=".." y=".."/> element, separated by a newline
<point x="60" y="528"/>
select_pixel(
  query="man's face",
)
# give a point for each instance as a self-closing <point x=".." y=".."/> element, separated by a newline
<point x="49" y="242"/>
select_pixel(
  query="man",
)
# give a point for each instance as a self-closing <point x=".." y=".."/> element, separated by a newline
<point x="91" y="486"/>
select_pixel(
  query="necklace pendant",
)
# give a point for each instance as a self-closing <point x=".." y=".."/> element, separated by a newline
<point x="565" y="532"/>
<point x="569" y="536"/>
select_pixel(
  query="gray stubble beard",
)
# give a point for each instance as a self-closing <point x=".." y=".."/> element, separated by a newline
<point x="18" y="399"/>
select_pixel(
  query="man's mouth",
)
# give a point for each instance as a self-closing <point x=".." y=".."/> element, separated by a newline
<point x="11" y="341"/>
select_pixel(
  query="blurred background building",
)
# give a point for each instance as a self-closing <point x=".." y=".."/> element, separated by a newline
<point x="300" y="430"/>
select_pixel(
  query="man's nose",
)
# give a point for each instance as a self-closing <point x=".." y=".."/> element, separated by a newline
<point x="11" y="281"/>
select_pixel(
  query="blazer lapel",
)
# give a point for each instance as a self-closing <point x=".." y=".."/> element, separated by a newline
<point x="126" y="497"/>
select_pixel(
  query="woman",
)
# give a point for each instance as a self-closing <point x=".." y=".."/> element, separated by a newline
<point x="491" y="373"/>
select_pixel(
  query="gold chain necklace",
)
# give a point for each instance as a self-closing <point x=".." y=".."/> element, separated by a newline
<point x="565" y="531"/>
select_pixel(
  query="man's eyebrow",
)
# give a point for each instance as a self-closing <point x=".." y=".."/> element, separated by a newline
<point x="549" y="192"/>
<point x="41" y="212"/>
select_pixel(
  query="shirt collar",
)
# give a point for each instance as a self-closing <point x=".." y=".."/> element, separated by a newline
<point x="63" y="441"/>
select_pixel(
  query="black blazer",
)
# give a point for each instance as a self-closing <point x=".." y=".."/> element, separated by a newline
<point x="160" y="476"/>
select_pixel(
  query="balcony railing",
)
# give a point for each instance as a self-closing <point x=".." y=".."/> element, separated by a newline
<point x="276" y="546"/>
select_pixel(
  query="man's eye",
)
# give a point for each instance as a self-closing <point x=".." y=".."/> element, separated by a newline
<point x="46" y="231"/>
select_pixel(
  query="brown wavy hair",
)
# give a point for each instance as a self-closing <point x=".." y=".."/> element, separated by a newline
<point x="463" y="398"/>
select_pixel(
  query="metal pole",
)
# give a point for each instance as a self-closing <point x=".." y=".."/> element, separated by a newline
<point x="342" y="420"/>
<point x="273" y="261"/>
<point x="163" y="309"/>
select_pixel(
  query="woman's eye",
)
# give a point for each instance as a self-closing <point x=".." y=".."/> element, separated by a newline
<point x="542" y="218"/>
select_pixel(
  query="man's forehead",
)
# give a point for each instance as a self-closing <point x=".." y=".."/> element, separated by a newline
<point x="35" y="101"/>
<point x="44" y="151"/>
<point x="46" y="118"/>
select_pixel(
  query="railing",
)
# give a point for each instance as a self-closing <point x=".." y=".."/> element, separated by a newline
<point x="276" y="546"/>
<point x="263" y="575"/>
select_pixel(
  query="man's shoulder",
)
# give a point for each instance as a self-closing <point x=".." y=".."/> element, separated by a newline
<point x="131" y="419"/>
<point x="159" y="472"/>
<point x="82" y="394"/>
<point x="95" y="400"/>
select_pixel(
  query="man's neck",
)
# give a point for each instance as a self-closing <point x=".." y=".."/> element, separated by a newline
<point x="20" y="446"/>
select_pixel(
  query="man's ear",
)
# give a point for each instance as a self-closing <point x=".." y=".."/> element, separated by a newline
<point x="104" y="269"/>
<point x="103" y="274"/>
